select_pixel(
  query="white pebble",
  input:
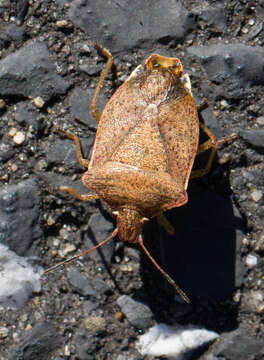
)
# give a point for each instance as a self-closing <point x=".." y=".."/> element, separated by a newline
<point x="251" y="261"/>
<point x="12" y="132"/>
<point x="19" y="138"/>
<point x="68" y="249"/>
<point x="256" y="195"/>
<point x="223" y="104"/>
<point x="39" y="102"/>
<point x="3" y="332"/>
<point x="260" y="120"/>
<point x="62" y="23"/>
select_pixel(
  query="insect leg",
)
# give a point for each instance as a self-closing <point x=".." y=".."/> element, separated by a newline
<point x="110" y="60"/>
<point x="73" y="192"/>
<point x="78" y="146"/>
<point x="212" y="144"/>
<point x="164" y="222"/>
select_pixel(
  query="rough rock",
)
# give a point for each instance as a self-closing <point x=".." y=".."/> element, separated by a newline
<point x="235" y="66"/>
<point x="20" y="215"/>
<point x="29" y="72"/>
<point x="125" y="24"/>
<point x="137" y="313"/>
<point x="39" y="343"/>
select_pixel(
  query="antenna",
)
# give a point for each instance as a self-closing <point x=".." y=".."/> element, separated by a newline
<point x="86" y="252"/>
<point x="169" y="279"/>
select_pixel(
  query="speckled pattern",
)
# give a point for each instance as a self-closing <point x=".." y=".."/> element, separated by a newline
<point x="145" y="146"/>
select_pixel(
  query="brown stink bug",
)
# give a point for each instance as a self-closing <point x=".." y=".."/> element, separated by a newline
<point x="146" y="142"/>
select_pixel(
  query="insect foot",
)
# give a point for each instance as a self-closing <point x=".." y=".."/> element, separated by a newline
<point x="146" y="142"/>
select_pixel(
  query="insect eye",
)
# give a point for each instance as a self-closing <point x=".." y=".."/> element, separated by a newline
<point x="175" y="65"/>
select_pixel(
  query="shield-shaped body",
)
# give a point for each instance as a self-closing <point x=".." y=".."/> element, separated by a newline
<point x="146" y="142"/>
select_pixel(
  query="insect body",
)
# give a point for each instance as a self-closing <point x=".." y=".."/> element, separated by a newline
<point x="146" y="142"/>
<point x="145" y="145"/>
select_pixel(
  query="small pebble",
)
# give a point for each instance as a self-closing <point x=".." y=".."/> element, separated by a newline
<point x="51" y="221"/>
<point x="12" y="132"/>
<point x="86" y="49"/>
<point x="2" y="104"/>
<point x="3" y="332"/>
<point x="251" y="261"/>
<point x="94" y="323"/>
<point x="19" y="138"/>
<point x="62" y="24"/>
<point x="14" y="167"/>
<point x="119" y="315"/>
<point x="245" y="242"/>
<point x="251" y="22"/>
<point x="67" y="351"/>
<point x="260" y="120"/>
<point x="28" y="327"/>
<point x="56" y="242"/>
<point x="42" y="165"/>
<point x="256" y="195"/>
<point x="224" y="159"/>
<point x="64" y="233"/>
<point x="254" y="301"/>
<point x="68" y="249"/>
<point x="39" y="102"/>
<point x="223" y="104"/>
<point x="126" y="268"/>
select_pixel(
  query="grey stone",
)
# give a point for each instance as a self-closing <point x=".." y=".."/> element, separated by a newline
<point x="28" y="72"/>
<point x="86" y="345"/>
<point x="137" y="313"/>
<point x="6" y="151"/>
<point x="125" y="24"/>
<point x="20" y="216"/>
<point x="87" y="286"/>
<point x="39" y="343"/>
<point x="211" y="17"/>
<point x="238" y="344"/>
<point x="235" y="66"/>
<point x="12" y="33"/>
<point x="253" y="137"/>
<point x="27" y="115"/>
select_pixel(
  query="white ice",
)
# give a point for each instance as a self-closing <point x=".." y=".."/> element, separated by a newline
<point x="18" y="279"/>
<point x="173" y="341"/>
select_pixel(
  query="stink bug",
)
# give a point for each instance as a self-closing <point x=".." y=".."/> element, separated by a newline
<point x="146" y="142"/>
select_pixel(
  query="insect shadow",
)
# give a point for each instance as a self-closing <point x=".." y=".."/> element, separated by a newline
<point x="203" y="256"/>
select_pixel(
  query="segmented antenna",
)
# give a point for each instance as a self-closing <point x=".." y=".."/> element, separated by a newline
<point x="86" y="252"/>
<point x="168" y="278"/>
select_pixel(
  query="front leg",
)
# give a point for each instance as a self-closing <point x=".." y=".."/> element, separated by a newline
<point x="73" y="192"/>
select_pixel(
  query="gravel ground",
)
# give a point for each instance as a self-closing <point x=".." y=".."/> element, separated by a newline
<point x="97" y="307"/>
